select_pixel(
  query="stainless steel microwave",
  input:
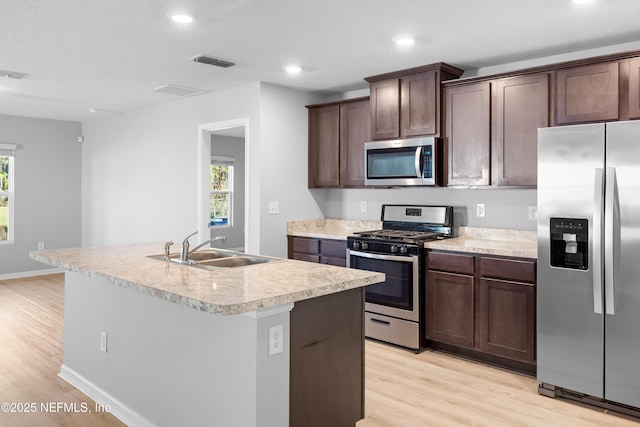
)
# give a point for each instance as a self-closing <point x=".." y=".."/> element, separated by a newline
<point x="403" y="162"/>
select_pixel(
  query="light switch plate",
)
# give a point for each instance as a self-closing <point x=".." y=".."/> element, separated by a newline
<point x="274" y="208"/>
<point x="480" y="210"/>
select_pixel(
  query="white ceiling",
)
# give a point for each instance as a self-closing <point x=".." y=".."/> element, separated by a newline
<point x="108" y="55"/>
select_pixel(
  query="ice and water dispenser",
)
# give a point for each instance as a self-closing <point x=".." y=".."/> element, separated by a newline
<point x="569" y="243"/>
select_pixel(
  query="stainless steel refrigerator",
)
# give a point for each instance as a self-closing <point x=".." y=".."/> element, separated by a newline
<point x="588" y="289"/>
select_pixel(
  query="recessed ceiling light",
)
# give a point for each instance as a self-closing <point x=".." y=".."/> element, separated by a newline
<point x="404" y="41"/>
<point x="293" y="69"/>
<point x="100" y="110"/>
<point x="183" y="19"/>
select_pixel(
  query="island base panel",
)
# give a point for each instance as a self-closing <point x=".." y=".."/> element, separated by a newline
<point x="327" y="360"/>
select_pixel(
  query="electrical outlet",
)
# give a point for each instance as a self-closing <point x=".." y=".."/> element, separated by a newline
<point x="276" y="339"/>
<point x="533" y="213"/>
<point x="480" y="210"/>
<point x="274" y="208"/>
<point x="41" y="246"/>
<point x="363" y="206"/>
<point x="103" y="341"/>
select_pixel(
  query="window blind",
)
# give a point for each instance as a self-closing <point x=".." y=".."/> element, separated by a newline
<point x="223" y="160"/>
<point x="8" y="149"/>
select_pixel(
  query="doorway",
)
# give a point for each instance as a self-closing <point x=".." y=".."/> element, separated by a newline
<point x="227" y="143"/>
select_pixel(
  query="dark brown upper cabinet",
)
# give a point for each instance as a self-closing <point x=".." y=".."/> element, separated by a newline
<point x="324" y="146"/>
<point x="588" y="93"/>
<point x="355" y="130"/>
<point x="407" y="103"/>
<point x="491" y="130"/>
<point x="634" y="88"/>
<point x="337" y="133"/>
<point x="521" y="107"/>
<point x="468" y="134"/>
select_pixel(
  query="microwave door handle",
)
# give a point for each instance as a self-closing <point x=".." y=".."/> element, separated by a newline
<point x="418" y="162"/>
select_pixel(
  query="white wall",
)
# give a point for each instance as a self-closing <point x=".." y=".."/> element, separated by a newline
<point x="283" y="158"/>
<point x="139" y="170"/>
<point x="47" y="189"/>
<point x="504" y="208"/>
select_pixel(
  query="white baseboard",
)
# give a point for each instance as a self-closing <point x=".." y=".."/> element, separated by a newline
<point x="110" y="403"/>
<point x="33" y="273"/>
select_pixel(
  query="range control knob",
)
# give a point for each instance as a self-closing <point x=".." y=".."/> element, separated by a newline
<point x="364" y="246"/>
<point x="356" y="245"/>
<point x="394" y="249"/>
<point x="403" y="249"/>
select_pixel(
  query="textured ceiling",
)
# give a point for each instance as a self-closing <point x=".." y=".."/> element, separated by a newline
<point x="83" y="54"/>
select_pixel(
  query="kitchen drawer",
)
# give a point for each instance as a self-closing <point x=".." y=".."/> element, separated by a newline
<point x="340" y="262"/>
<point x="454" y="263"/>
<point x="306" y="245"/>
<point x="510" y="269"/>
<point x="306" y="257"/>
<point x="334" y="248"/>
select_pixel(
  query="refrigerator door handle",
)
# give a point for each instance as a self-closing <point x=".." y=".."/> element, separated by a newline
<point x="598" y="199"/>
<point x="611" y="203"/>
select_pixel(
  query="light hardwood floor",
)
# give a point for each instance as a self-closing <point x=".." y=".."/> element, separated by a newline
<point x="402" y="388"/>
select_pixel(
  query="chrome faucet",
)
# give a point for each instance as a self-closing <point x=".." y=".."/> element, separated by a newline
<point x="185" y="252"/>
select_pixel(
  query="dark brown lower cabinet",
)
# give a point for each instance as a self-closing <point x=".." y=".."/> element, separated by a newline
<point x="327" y="360"/>
<point x="507" y="319"/>
<point x="324" y="251"/>
<point x="450" y="308"/>
<point x="483" y="307"/>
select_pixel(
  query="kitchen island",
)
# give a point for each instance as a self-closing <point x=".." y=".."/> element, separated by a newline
<point x="160" y="343"/>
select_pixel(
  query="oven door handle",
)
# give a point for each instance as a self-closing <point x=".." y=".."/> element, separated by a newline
<point x="406" y="258"/>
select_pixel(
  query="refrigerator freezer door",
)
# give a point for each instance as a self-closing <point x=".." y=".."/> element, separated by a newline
<point x="570" y="338"/>
<point x="622" y="329"/>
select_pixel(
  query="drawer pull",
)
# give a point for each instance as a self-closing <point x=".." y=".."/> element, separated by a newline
<point x="382" y="322"/>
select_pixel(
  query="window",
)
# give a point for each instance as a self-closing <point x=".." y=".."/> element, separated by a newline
<point x="221" y="191"/>
<point x="6" y="192"/>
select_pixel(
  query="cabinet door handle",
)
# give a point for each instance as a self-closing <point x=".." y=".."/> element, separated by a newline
<point x="382" y="322"/>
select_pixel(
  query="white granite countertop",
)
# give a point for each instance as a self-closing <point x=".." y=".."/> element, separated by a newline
<point x="226" y="291"/>
<point x="490" y="241"/>
<point x="329" y="228"/>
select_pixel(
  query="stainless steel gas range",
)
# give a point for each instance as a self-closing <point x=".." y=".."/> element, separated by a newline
<point x="394" y="309"/>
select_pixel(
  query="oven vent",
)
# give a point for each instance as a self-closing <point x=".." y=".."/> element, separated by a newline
<point x="212" y="61"/>
<point x="177" y="90"/>
<point x="12" y="74"/>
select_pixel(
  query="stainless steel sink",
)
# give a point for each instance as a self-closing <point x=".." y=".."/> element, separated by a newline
<point x="216" y="259"/>
<point x="237" y="261"/>
<point x="206" y="254"/>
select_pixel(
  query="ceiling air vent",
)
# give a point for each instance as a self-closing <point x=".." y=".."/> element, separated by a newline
<point x="212" y="61"/>
<point x="12" y="74"/>
<point x="177" y="90"/>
